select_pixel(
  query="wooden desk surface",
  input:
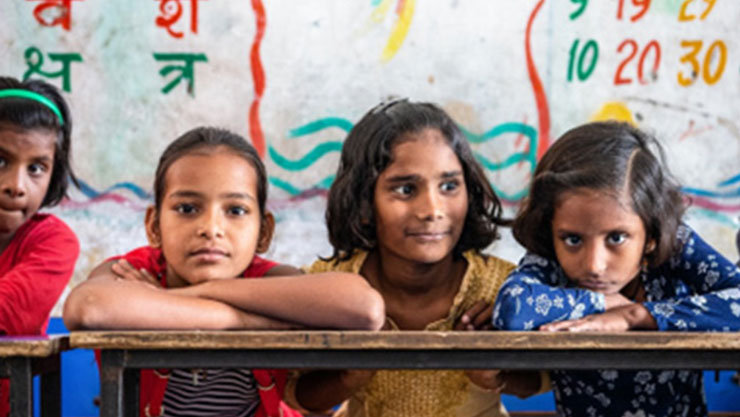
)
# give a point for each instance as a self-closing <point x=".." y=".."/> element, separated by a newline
<point x="32" y="346"/>
<point x="407" y="340"/>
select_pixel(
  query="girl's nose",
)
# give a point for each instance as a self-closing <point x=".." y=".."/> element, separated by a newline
<point x="211" y="225"/>
<point x="430" y="206"/>
<point x="596" y="260"/>
<point x="14" y="184"/>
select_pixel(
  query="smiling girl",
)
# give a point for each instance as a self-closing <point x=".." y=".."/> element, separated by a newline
<point x="608" y="252"/>
<point x="411" y="210"/>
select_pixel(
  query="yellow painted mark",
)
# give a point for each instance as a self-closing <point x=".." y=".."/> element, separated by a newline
<point x="614" y="110"/>
<point x="400" y="29"/>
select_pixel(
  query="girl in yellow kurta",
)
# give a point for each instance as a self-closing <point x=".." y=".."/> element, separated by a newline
<point x="410" y="209"/>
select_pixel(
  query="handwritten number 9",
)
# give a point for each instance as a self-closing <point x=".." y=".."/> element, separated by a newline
<point x="580" y="10"/>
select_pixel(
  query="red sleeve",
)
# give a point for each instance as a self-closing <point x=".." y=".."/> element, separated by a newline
<point x="144" y="257"/>
<point x="259" y="267"/>
<point x="43" y="260"/>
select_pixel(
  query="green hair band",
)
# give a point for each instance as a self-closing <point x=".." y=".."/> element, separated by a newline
<point x="35" y="97"/>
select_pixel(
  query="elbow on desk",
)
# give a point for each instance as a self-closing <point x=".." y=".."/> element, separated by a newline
<point x="83" y="311"/>
<point x="506" y="315"/>
<point x="371" y="314"/>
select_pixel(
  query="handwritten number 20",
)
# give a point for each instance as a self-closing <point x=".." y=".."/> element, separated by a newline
<point x="651" y="46"/>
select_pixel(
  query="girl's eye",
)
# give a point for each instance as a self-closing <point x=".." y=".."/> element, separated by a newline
<point x="571" y="240"/>
<point x="2" y="162"/>
<point x="450" y="186"/>
<point x="185" y="208"/>
<point x="36" y="169"/>
<point x="237" y="211"/>
<point x="616" y="238"/>
<point x="404" y="190"/>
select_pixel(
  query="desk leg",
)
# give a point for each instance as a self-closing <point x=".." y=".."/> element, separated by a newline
<point x="51" y="393"/>
<point x="131" y="391"/>
<point x="119" y="387"/>
<point x="21" y="387"/>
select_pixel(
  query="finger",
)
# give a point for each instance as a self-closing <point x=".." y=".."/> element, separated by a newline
<point x="123" y="272"/>
<point x="476" y="308"/>
<point x="484" y="317"/>
<point x="557" y="326"/>
<point x="462" y="323"/>
<point x="149" y="277"/>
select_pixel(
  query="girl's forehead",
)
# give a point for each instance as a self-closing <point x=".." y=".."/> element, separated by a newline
<point x="217" y="168"/>
<point x="40" y="139"/>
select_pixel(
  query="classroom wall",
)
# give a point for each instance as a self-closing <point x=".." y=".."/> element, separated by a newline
<point x="294" y="76"/>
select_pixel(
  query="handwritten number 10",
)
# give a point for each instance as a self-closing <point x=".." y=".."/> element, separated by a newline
<point x="644" y="4"/>
<point x="583" y="73"/>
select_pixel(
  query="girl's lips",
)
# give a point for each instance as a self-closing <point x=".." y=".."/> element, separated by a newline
<point x="427" y="236"/>
<point x="209" y="254"/>
<point x="596" y="286"/>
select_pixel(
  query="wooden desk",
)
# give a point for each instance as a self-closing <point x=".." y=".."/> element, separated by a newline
<point x="20" y="359"/>
<point x="124" y="353"/>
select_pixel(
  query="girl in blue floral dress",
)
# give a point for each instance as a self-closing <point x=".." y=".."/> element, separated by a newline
<point x="607" y="251"/>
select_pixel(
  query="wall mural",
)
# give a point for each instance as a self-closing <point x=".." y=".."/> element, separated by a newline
<point x="293" y="77"/>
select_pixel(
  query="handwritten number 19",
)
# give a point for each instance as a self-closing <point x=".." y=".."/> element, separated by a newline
<point x="641" y="4"/>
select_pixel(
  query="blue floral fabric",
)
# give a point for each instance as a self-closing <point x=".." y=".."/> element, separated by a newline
<point x="696" y="290"/>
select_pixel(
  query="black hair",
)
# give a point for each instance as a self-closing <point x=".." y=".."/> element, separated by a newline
<point x="209" y="138"/>
<point x="29" y="114"/>
<point x="368" y="150"/>
<point x="613" y="157"/>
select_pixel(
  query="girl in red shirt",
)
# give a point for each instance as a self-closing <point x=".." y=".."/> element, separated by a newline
<point x="37" y="251"/>
<point x="207" y="222"/>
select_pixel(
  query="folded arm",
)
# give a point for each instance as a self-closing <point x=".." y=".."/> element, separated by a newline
<point x="107" y="302"/>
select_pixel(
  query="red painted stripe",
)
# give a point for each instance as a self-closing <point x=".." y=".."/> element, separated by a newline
<point x="258" y="77"/>
<point x="710" y="205"/>
<point x="543" y="111"/>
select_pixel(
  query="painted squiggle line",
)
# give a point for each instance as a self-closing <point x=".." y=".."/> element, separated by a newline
<point x="115" y="198"/>
<point x="321" y="124"/>
<point x="730" y="181"/>
<point x="90" y="192"/>
<point x="258" y="77"/>
<point x="405" y="12"/>
<point x="713" y="194"/>
<point x="711" y="205"/>
<point x="295" y="191"/>
<point x="307" y="160"/>
<point x="543" y="110"/>
<point x="718" y="217"/>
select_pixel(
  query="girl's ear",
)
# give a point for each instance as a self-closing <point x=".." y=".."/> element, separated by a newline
<point x="151" y="221"/>
<point x="650" y="246"/>
<point x="267" y="228"/>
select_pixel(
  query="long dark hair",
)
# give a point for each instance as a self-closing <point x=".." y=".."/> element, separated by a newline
<point x="368" y="150"/>
<point x="613" y="157"/>
<point x="30" y="114"/>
